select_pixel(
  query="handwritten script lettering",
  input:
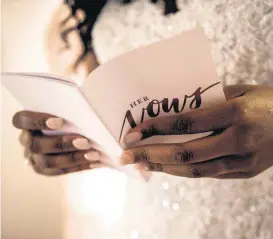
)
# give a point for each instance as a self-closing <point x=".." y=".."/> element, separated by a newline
<point x="155" y="106"/>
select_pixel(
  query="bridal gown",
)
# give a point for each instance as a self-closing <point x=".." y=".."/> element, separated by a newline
<point x="241" y="32"/>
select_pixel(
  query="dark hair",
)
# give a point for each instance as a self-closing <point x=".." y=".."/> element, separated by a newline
<point x="92" y="9"/>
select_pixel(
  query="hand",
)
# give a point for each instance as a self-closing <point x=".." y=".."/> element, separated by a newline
<point x="55" y="155"/>
<point x="240" y="147"/>
<point x="64" y="47"/>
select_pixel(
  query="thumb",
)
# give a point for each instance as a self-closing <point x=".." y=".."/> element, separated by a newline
<point x="233" y="91"/>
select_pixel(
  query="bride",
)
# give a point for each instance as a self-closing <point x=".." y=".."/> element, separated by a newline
<point x="188" y="198"/>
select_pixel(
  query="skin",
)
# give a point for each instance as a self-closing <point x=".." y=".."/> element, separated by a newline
<point x="56" y="155"/>
<point x="240" y="147"/>
<point x="52" y="155"/>
<point x="64" y="47"/>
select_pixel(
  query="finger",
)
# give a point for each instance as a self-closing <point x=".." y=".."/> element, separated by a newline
<point x="71" y="23"/>
<point x="238" y="175"/>
<point x="62" y="15"/>
<point x="59" y="18"/>
<point x="81" y="71"/>
<point x="27" y="153"/>
<point x="67" y="160"/>
<point x="36" y="121"/>
<point x="28" y="158"/>
<point x="234" y="91"/>
<point x="80" y="15"/>
<point x="213" y="168"/>
<point x="26" y="135"/>
<point x="55" y="144"/>
<point x="197" y="121"/>
<point x="76" y="45"/>
<point x="191" y="152"/>
<point x="69" y="27"/>
<point x="73" y="49"/>
<point x="63" y="171"/>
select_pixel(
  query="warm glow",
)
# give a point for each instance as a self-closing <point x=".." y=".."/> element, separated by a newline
<point x="100" y="191"/>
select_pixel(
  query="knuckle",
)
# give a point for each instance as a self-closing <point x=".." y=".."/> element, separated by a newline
<point x="195" y="172"/>
<point x="183" y="156"/>
<point x="41" y="160"/>
<point x="157" y="167"/>
<point x="145" y="155"/>
<point x="246" y="141"/>
<point x="62" y="144"/>
<point x="241" y="111"/>
<point x="151" y="129"/>
<point x="34" y="145"/>
<point x="24" y="137"/>
<point x="183" y="124"/>
<point x="74" y="157"/>
<point x="38" y="124"/>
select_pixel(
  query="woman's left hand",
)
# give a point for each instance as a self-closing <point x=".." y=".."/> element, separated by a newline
<point x="240" y="147"/>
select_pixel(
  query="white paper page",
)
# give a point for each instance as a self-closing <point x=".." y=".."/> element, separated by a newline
<point x="43" y="93"/>
<point x="172" y="68"/>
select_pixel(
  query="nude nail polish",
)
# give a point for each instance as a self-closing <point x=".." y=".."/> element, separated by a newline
<point x="81" y="144"/>
<point x="127" y="158"/>
<point x="92" y="156"/>
<point x="132" y="137"/>
<point x="54" y="123"/>
<point x="142" y="167"/>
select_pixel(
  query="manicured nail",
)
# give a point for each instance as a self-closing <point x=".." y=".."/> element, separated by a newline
<point x="142" y="167"/>
<point x="92" y="156"/>
<point x="55" y="123"/>
<point x="80" y="15"/>
<point x="81" y="143"/>
<point x="96" y="165"/>
<point x="127" y="158"/>
<point x="132" y="137"/>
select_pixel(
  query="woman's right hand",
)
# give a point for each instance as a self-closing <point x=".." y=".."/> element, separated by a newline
<point x="54" y="155"/>
<point x="65" y="49"/>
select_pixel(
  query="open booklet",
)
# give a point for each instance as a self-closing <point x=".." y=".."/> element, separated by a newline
<point x="169" y="77"/>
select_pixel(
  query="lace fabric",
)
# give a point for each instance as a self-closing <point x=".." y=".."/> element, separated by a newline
<point x="241" y="33"/>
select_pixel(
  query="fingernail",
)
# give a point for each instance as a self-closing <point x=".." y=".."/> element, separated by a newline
<point x="132" y="137"/>
<point x="80" y="15"/>
<point x="142" y="167"/>
<point x="81" y="143"/>
<point x="92" y="156"/>
<point x="96" y="165"/>
<point x="54" y="123"/>
<point x="127" y="158"/>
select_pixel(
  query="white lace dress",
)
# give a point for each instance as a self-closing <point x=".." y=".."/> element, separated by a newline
<point x="242" y="46"/>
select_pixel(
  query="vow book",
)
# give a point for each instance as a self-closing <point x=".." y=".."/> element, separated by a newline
<point x="172" y="76"/>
